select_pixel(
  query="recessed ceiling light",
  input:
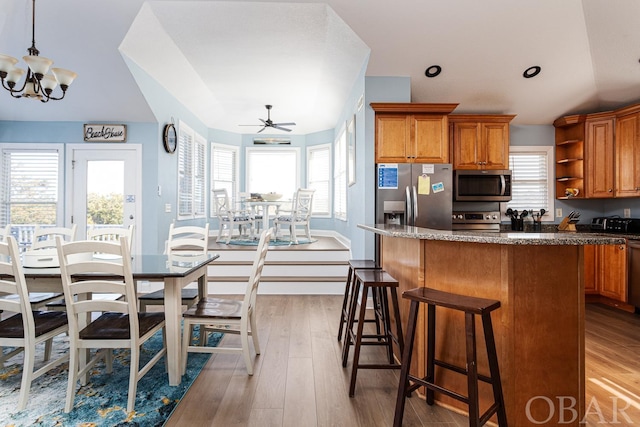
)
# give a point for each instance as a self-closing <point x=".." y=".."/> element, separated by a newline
<point x="531" y="72"/>
<point x="433" y="71"/>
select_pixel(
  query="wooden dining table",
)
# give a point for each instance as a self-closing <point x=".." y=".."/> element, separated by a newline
<point x="157" y="268"/>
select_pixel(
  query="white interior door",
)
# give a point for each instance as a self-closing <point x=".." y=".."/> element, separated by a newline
<point x="104" y="187"/>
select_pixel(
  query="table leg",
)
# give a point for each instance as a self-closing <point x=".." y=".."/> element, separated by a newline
<point x="203" y="289"/>
<point x="173" y="316"/>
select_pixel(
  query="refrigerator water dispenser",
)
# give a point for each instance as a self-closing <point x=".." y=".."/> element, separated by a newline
<point x="394" y="212"/>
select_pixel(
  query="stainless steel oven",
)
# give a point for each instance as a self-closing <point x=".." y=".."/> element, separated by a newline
<point x="476" y="221"/>
<point x="482" y="185"/>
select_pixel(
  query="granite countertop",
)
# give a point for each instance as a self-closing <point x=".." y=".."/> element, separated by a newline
<point x="503" y="238"/>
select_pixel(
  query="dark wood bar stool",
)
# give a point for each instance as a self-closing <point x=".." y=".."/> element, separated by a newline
<point x="355" y="264"/>
<point x="379" y="282"/>
<point x="471" y="306"/>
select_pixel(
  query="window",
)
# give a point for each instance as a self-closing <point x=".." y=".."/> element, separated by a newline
<point x="340" y="177"/>
<point x="319" y="178"/>
<point x="532" y="180"/>
<point x="224" y="170"/>
<point x="30" y="188"/>
<point x="191" y="173"/>
<point x="273" y="170"/>
<point x="31" y="185"/>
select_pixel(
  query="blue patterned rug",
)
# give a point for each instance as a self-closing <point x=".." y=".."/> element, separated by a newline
<point x="103" y="401"/>
<point x="274" y="242"/>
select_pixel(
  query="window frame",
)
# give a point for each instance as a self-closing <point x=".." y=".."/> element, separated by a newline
<point x="340" y="176"/>
<point x="319" y="147"/>
<point x="196" y="174"/>
<point x="549" y="152"/>
<point x="235" y="182"/>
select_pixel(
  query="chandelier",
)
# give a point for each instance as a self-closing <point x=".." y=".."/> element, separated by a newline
<point x="37" y="84"/>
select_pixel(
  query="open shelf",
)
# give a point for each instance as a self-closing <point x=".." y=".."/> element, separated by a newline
<point x="569" y="152"/>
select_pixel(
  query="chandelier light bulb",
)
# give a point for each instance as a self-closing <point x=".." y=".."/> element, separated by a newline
<point x="48" y="83"/>
<point x="64" y="77"/>
<point x="7" y="63"/>
<point x="39" y="65"/>
<point x="14" y="75"/>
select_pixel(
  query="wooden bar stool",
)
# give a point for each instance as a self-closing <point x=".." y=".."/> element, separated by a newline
<point x="379" y="282"/>
<point x="355" y="264"/>
<point x="471" y="306"/>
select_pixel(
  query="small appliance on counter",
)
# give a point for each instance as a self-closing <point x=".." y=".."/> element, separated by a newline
<point x="569" y="222"/>
<point x="615" y="224"/>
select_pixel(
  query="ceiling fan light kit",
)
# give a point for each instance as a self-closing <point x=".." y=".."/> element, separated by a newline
<point x="269" y="123"/>
<point x="37" y="84"/>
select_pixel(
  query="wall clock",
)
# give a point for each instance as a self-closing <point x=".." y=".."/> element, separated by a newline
<point x="170" y="138"/>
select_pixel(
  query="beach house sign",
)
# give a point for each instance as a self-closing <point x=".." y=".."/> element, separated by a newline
<point x="105" y="133"/>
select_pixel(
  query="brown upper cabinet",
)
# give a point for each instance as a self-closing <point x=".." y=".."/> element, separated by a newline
<point x="600" y="157"/>
<point x="412" y="132"/>
<point x="480" y="141"/>
<point x="627" y="164"/>
<point x="599" y="154"/>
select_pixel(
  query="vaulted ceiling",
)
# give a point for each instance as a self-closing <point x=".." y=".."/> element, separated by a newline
<point x="224" y="60"/>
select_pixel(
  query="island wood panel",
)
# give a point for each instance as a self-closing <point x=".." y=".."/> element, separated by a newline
<point x="403" y="259"/>
<point x="539" y="328"/>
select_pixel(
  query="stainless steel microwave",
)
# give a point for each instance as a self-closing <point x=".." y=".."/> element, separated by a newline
<point x="482" y="185"/>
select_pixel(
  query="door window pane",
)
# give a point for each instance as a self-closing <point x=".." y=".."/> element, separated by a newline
<point x="105" y="192"/>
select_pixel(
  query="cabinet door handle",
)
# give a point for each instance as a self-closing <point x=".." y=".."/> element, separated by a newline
<point x="610" y="190"/>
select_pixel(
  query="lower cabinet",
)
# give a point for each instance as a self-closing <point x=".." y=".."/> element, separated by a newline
<point x="612" y="263"/>
<point x="590" y="270"/>
<point x="605" y="271"/>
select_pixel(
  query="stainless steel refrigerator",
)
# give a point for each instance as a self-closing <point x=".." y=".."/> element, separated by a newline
<point x="414" y="194"/>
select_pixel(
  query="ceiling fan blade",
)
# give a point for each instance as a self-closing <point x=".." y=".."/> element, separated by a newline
<point x="250" y="125"/>
<point x="284" y="124"/>
<point x="275" y="126"/>
<point x="264" y="123"/>
<point x="263" y="128"/>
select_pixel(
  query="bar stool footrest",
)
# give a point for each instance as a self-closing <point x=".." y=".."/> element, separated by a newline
<point x="379" y="366"/>
<point x="422" y="382"/>
<point x="460" y="370"/>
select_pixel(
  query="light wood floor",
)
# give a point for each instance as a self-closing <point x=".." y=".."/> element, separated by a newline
<point x="299" y="379"/>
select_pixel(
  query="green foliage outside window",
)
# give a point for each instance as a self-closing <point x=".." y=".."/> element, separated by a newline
<point x="105" y="208"/>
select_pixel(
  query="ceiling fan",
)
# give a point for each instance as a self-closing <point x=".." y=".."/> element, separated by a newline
<point x="269" y="123"/>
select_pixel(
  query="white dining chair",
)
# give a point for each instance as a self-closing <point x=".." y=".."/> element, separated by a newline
<point x="228" y="217"/>
<point x="183" y="244"/>
<point x="104" y="324"/>
<point x="111" y="233"/>
<point x="22" y="327"/>
<point x="228" y="316"/>
<point x="298" y="215"/>
<point x="42" y="253"/>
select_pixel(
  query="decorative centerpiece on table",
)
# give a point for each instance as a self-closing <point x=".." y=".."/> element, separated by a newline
<point x="271" y="197"/>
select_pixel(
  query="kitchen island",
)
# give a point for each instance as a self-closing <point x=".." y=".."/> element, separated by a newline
<point x="539" y="328"/>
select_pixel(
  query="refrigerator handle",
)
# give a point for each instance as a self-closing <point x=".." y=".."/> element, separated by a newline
<point x="415" y="205"/>
<point x="409" y="206"/>
<point x="503" y="184"/>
